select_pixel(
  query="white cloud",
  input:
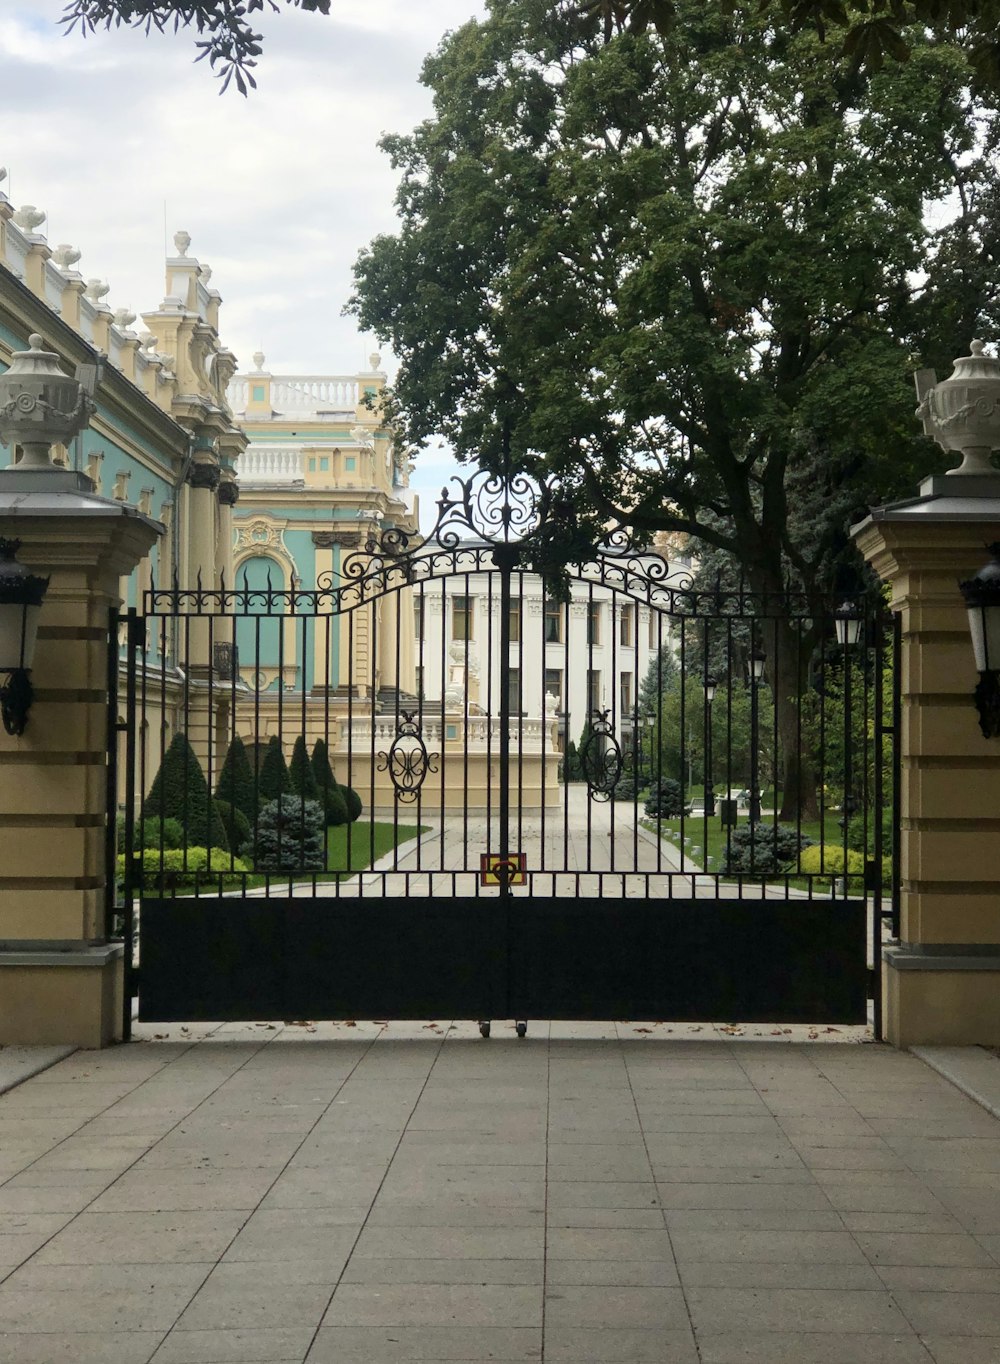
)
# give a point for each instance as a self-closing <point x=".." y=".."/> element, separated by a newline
<point x="122" y="139"/>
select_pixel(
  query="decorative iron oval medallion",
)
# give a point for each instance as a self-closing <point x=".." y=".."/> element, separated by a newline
<point x="601" y="757"/>
<point x="407" y="761"/>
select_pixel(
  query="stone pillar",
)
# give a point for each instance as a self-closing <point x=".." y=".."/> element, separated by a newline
<point x="60" y="978"/>
<point x="388" y="625"/>
<point x="941" y="981"/>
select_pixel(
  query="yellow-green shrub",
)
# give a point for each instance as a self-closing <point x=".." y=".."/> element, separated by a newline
<point x="820" y="859"/>
<point x="179" y="867"/>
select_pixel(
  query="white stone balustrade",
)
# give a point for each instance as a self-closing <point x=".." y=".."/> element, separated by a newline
<point x="270" y="464"/>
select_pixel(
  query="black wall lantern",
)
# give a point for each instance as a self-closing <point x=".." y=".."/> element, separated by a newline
<point x="982" y="600"/>
<point x="21" y="595"/>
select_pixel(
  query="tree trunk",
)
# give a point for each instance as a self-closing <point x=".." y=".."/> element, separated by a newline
<point x="788" y="675"/>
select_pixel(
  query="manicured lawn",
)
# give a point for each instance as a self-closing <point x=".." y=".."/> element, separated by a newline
<point x="353" y="847"/>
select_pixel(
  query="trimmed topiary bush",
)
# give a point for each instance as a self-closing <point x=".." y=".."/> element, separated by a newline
<point x="236" y="781"/>
<point x="763" y="850"/>
<point x="822" y="858"/>
<point x="238" y="828"/>
<point x="179" y="791"/>
<point x="188" y="868"/>
<point x="666" y="799"/>
<point x="625" y="789"/>
<point x="274" y="779"/>
<point x="336" y="807"/>
<point x="303" y="778"/>
<point x="159" y="833"/>
<point x="352" y="801"/>
<point x="290" y="835"/>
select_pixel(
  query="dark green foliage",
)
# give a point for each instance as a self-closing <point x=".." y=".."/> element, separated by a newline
<point x="301" y="773"/>
<point x="666" y="799"/>
<point x="274" y="779"/>
<point x="762" y="849"/>
<point x="856" y="832"/>
<point x="336" y="807"/>
<point x="352" y="801"/>
<point x="236" y="783"/>
<point x="179" y="791"/>
<point x="156" y="833"/>
<point x="571" y="770"/>
<point x="625" y="789"/>
<point x="321" y="766"/>
<point x="290" y="835"/>
<point x="239" y="830"/>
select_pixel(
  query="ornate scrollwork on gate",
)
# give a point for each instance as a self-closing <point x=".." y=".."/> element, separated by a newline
<point x="407" y="761"/>
<point x="601" y="757"/>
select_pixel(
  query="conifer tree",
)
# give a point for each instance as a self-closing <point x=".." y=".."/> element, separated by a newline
<point x="236" y="783"/>
<point x="179" y="791"/>
<point x="273" y="778"/>
<point x="302" y="777"/>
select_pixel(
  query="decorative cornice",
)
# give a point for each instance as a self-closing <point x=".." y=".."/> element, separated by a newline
<point x="326" y="539"/>
<point x="204" y="475"/>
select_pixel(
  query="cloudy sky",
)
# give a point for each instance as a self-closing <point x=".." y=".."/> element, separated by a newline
<point x="122" y="140"/>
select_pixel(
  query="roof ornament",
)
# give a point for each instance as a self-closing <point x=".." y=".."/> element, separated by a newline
<point x="182" y="240"/>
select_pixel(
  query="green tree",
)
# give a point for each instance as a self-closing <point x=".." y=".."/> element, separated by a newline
<point x="230" y="43"/>
<point x="322" y="766"/>
<point x="679" y="274"/>
<point x="236" y="784"/>
<point x="179" y="791"/>
<point x="273" y="779"/>
<point x="300" y="771"/>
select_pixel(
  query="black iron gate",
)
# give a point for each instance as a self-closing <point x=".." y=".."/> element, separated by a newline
<point x="470" y="790"/>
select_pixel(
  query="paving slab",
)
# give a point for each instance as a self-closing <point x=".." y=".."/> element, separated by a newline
<point x="413" y="1193"/>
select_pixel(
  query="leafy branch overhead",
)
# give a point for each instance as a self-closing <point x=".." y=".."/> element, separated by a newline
<point x="865" y="31"/>
<point x="229" y="42"/>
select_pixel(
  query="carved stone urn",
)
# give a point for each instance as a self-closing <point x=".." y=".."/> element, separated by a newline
<point x="40" y="405"/>
<point x="963" y="412"/>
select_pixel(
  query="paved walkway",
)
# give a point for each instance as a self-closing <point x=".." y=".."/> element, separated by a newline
<point x="361" y="1195"/>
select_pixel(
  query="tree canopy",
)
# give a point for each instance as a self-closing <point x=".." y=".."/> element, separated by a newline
<point x="686" y="273"/>
<point x="229" y="42"/>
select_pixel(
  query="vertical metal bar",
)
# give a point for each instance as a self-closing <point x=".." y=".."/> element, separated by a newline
<point x="111" y="778"/>
<point x="129" y="879"/>
<point x="897" y="767"/>
<point x="505" y="563"/>
<point x="878" y="796"/>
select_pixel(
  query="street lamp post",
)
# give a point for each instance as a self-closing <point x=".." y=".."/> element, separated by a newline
<point x="757" y="661"/>
<point x="847" y="623"/>
<point x="710" y="686"/>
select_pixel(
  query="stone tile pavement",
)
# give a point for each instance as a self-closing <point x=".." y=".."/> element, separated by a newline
<point x="361" y="1195"/>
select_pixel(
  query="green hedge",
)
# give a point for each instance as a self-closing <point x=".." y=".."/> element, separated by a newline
<point x="829" y="857"/>
<point x="179" y="868"/>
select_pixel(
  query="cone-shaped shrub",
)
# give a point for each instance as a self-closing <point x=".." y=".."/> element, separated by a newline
<point x="353" y="802"/>
<point x="328" y="793"/>
<point x="237" y="826"/>
<point x="301" y="773"/>
<point x="236" y="783"/>
<point x="273" y="779"/>
<point x="322" y="767"/>
<point x="179" y="791"/>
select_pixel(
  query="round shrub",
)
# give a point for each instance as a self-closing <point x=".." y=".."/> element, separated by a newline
<point x="159" y="833"/>
<point x="625" y="788"/>
<point x="290" y="835"/>
<point x="762" y="849"/>
<point x="353" y="802"/>
<point x="666" y="799"/>
<point x="336" y="807"/>
<point x="823" y="858"/>
<point x="237" y="826"/>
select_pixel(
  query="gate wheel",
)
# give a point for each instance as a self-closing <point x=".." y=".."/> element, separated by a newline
<point x="484" y="1027"/>
<point x="522" y="1027"/>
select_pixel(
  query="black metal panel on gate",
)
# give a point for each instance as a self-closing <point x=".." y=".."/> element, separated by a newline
<point x="740" y="960"/>
<point x="218" y="959"/>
